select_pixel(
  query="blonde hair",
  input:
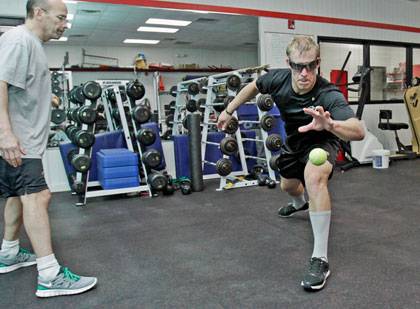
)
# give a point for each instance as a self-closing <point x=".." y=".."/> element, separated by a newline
<point x="302" y="44"/>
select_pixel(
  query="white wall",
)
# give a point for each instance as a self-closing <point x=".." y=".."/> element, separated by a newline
<point x="175" y="56"/>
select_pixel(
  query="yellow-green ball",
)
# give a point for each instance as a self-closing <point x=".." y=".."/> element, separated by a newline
<point x="318" y="156"/>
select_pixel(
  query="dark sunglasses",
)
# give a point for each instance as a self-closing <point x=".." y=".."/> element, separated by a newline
<point x="309" y="66"/>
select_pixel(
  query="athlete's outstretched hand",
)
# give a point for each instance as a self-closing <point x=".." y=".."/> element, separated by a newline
<point x="321" y="120"/>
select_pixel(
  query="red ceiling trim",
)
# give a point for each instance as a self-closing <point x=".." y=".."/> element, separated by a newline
<point x="262" y="13"/>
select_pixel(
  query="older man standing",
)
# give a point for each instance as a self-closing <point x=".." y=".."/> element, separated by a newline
<point x="25" y="110"/>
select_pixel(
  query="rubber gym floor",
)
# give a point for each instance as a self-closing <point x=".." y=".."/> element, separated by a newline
<point x="230" y="250"/>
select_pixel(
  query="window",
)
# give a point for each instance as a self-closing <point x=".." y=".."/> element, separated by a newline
<point x="388" y="75"/>
<point x="333" y="56"/>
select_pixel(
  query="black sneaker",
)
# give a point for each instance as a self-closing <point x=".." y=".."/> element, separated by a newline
<point x="317" y="274"/>
<point x="289" y="210"/>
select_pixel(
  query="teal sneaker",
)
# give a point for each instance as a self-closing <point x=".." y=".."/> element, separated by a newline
<point x="65" y="283"/>
<point x="24" y="258"/>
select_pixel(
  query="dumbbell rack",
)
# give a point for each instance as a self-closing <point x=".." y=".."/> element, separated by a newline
<point x="108" y="85"/>
<point x="232" y="181"/>
<point x="184" y="92"/>
<point x="82" y="177"/>
<point x="61" y="82"/>
<point x="105" y="192"/>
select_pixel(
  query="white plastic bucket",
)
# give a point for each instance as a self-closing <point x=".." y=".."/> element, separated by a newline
<point x="380" y="158"/>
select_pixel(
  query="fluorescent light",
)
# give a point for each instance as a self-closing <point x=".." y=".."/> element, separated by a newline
<point x="138" y="41"/>
<point x="157" y="29"/>
<point x="62" y="39"/>
<point x="169" y="22"/>
<point x="70" y="1"/>
<point x="70" y="16"/>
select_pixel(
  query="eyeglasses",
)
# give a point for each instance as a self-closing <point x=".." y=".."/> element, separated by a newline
<point x="309" y="66"/>
<point x="61" y="18"/>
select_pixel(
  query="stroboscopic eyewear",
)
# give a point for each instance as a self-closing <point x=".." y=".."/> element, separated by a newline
<point x="309" y="66"/>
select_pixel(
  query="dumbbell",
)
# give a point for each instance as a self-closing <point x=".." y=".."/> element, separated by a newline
<point x="76" y="95"/>
<point x="219" y="102"/>
<point x="146" y="136"/>
<point x="201" y="103"/>
<point x="266" y="122"/>
<point x="100" y="108"/>
<point x="265" y="180"/>
<point x="167" y="134"/>
<point x="233" y="82"/>
<point x="58" y="116"/>
<point x="229" y="146"/>
<point x="70" y="130"/>
<point x="169" y="189"/>
<point x="223" y="166"/>
<point x="185" y="187"/>
<point x="232" y="126"/>
<point x="157" y="181"/>
<point x="151" y="158"/>
<point x="203" y="85"/>
<point x="91" y="90"/>
<point x="141" y="113"/>
<point x="274" y="162"/>
<point x="256" y="170"/>
<point x="78" y="187"/>
<point x="193" y="88"/>
<point x="80" y="162"/>
<point x="274" y="142"/>
<point x="169" y="120"/>
<point x="82" y="138"/>
<point x="191" y="105"/>
<point x="85" y="114"/>
<point x="265" y="102"/>
<point x="173" y="91"/>
<point x="135" y="90"/>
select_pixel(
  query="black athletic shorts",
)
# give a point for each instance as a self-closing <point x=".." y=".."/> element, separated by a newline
<point x="292" y="163"/>
<point x="25" y="179"/>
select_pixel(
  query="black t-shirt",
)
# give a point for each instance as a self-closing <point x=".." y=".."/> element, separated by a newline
<point x="278" y="83"/>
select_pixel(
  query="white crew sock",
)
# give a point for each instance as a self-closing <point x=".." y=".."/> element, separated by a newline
<point x="48" y="267"/>
<point x="298" y="201"/>
<point x="320" y="221"/>
<point x="9" y="248"/>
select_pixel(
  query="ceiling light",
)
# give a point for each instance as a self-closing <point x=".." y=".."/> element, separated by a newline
<point x="70" y="16"/>
<point x="70" y="1"/>
<point x="157" y="29"/>
<point x="137" y="41"/>
<point x="62" y="39"/>
<point x="169" y="22"/>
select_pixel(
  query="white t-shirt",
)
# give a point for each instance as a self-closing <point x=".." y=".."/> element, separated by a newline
<point x="24" y="66"/>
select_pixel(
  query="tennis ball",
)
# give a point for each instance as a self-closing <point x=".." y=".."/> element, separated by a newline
<point x="318" y="156"/>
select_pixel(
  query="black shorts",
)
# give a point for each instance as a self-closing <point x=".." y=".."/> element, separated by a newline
<point x="25" y="179"/>
<point x="292" y="163"/>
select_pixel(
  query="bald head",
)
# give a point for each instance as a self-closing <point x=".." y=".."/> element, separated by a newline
<point x="31" y="4"/>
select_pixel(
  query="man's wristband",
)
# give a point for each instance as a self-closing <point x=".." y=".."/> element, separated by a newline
<point x="229" y="113"/>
